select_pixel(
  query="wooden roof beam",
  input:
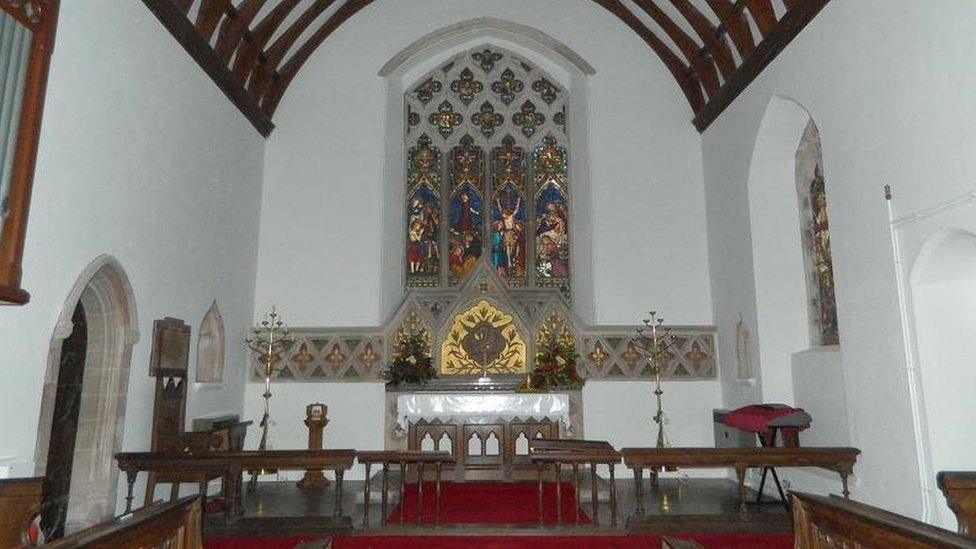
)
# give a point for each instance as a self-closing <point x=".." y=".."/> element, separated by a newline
<point x="177" y="23"/>
<point x="210" y="13"/>
<point x="788" y="27"/>
<point x="288" y="71"/>
<point x="248" y="55"/>
<point x="763" y="14"/>
<point x="702" y="66"/>
<point x="236" y="28"/>
<point x="261" y="77"/>
<point x="681" y="72"/>
<point x="713" y="45"/>
<point x="735" y="24"/>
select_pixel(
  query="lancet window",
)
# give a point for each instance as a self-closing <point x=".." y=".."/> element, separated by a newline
<point x="812" y="195"/>
<point x="487" y="173"/>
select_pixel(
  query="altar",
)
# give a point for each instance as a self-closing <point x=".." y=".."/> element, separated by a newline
<point x="487" y="432"/>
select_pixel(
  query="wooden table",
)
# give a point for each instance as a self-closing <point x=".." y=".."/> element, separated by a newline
<point x="404" y="460"/>
<point x="576" y="453"/>
<point x="839" y="460"/>
<point x="231" y="464"/>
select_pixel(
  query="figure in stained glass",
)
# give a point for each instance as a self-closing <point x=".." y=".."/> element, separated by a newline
<point x="466" y="208"/>
<point x="508" y="233"/>
<point x="551" y="212"/>
<point x="423" y="214"/>
<point x="823" y="263"/>
<point x="552" y="237"/>
<point x="465" y="237"/>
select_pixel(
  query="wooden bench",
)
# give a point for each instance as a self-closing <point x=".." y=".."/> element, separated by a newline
<point x="230" y="465"/>
<point x="554" y="453"/>
<point x="839" y="460"/>
<point x="404" y="460"/>
<point x="172" y="524"/>
<point x="831" y="522"/>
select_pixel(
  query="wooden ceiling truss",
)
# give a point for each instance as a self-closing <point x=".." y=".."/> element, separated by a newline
<point x="247" y="48"/>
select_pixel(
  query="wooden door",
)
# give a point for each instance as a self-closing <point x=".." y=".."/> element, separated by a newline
<point x="64" y="427"/>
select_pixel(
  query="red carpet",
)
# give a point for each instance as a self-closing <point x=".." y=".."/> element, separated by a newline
<point x="725" y="541"/>
<point x="490" y="503"/>
<point x="257" y="543"/>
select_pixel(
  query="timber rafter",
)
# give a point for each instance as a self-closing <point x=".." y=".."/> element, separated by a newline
<point x="254" y="49"/>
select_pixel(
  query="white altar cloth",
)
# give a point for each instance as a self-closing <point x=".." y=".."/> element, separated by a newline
<point x="443" y="406"/>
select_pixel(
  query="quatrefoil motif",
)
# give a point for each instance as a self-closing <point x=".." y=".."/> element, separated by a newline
<point x="528" y="119"/>
<point x="445" y="119"/>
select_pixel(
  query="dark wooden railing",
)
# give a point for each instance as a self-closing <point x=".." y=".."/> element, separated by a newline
<point x="555" y="453"/>
<point x="404" y="460"/>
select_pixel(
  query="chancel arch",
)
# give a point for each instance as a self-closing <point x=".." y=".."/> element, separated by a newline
<point x="82" y="443"/>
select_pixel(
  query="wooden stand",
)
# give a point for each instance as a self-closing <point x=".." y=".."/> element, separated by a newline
<point x="315" y="420"/>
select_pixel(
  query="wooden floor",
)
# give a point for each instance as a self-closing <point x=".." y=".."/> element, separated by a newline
<point x="676" y="506"/>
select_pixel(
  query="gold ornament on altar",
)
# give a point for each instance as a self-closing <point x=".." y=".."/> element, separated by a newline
<point x="483" y="340"/>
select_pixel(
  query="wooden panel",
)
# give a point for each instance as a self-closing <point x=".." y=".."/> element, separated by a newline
<point x="828" y="523"/>
<point x="481" y="433"/>
<point x="175" y="524"/>
<point x="20" y="500"/>
<point x="959" y="489"/>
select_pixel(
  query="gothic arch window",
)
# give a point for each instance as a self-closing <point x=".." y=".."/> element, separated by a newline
<point x="210" y="347"/>
<point x="812" y="196"/>
<point x="487" y="173"/>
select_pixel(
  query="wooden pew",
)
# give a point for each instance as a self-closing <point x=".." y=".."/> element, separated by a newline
<point x="575" y="453"/>
<point x="959" y="489"/>
<point x="20" y="500"/>
<point x="404" y="460"/>
<point x="839" y="460"/>
<point x="172" y="524"/>
<point x="230" y="465"/>
<point x="831" y="522"/>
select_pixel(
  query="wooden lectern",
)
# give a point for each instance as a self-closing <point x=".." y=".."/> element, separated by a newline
<point x="315" y="420"/>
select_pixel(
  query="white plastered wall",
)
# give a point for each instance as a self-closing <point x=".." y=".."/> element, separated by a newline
<point x="889" y="112"/>
<point x="143" y="158"/>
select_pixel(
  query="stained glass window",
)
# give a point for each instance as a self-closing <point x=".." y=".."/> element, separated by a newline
<point x="502" y="185"/>
<point x="823" y="261"/>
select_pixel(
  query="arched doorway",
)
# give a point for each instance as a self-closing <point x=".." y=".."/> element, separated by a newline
<point x="943" y="286"/>
<point x="83" y="403"/>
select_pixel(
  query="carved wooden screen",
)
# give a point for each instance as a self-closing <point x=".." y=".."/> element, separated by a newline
<point x="487" y="173"/>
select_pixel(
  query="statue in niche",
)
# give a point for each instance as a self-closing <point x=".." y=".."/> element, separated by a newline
<point x="743" y="351"/>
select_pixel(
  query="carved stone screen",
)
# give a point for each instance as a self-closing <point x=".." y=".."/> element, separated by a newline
<point x="487" y="174"/>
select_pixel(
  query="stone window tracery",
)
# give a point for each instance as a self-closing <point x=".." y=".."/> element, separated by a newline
<point x="487" y="174"/>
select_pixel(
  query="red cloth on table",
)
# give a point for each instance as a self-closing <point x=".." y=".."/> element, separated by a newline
<point x="756" y="417"/>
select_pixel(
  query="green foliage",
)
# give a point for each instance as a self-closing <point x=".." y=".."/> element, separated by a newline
<point x="555" y="367"/>
<point x="412" y="362"/>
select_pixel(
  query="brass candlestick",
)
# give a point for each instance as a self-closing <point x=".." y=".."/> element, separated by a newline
<point x="270" y="339"/>
<point x="661" y="340"/>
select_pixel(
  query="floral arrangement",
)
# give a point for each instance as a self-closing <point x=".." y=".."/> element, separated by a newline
<point x="412" y="362"/>
<point x="555" y="367"/>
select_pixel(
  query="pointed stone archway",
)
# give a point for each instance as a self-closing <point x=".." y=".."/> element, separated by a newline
<point x="103" y="289"/>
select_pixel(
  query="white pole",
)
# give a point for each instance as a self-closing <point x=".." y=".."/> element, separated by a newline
<point x="914" y="384"/>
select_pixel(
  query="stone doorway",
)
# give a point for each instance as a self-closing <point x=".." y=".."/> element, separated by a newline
<point x="82" y="483"/>
<point x="67" y="403"/>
